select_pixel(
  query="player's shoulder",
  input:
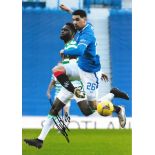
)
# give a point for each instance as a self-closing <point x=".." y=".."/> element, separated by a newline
<point x="89" y="27"/>
<point x="89" y="30"/>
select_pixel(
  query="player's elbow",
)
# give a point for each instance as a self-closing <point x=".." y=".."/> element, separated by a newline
<point x="81" y="50"/>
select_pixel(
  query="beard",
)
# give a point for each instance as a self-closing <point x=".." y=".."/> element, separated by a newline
<point x="66" y="37"/>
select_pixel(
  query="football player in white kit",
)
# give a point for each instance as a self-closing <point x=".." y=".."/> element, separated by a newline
<point x="64" y="95"/>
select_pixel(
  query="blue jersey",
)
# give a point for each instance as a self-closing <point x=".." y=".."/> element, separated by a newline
<point x="88" y="60"/>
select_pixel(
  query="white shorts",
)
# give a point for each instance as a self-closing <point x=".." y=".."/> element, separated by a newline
<point x="63" y="99"/>
<point x="90" y="80"/>
<point x="66" y="96"/>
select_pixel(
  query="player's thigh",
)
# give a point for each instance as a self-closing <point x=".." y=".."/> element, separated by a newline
<point x="71" y="69"/>
<point x="90" y="82"/>
<point x="64" y="95"/>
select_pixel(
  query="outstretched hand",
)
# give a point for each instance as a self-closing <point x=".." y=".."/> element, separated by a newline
<point x="65" y="8"/>
<point x="104" y="77"/>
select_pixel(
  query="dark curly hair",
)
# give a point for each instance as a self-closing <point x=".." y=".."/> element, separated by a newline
<point x="71" y="25"/>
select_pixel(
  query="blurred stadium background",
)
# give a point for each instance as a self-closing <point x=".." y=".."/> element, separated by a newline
<point x="41" y="23"/>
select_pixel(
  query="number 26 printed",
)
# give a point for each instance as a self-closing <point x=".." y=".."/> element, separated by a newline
<point x="91" y="86"/>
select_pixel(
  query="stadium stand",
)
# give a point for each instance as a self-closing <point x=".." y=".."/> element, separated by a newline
<point x="120" y="29"/>
<point x="41" y="45"/>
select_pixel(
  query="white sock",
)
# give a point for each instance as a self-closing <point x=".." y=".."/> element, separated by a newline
<point x="46" y="128"/>
<point x="107" y="97"/>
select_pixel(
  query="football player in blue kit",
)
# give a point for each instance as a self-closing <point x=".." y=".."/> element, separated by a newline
<point x="87" y="68"/>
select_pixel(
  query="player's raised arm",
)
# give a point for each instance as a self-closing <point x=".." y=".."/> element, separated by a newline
<point x="65" y="8"/>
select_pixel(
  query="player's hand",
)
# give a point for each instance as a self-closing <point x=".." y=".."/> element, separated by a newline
<point x="104" y="77"/>
<point x="65" y="8"/>
<point x="62" y="54"/>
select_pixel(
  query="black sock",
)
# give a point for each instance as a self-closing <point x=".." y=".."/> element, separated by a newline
<point x="117" y="109"/>
<point x="65" y="82"/>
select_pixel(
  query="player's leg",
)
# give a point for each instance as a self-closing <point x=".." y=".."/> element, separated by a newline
<point x="65" y="96"/>
<point x="85" y="107"/>
<point x="66" y="111"/>
<point x="120" y="110"/>
<point x="60" y="73"/>
<point x="61" y="100"/>
<point x="38" y="142"/>
<point x="66" y="108"/>
<point x="109" y="97"/>
<point x="90" y="83"/>
<point x="119" y="94"/>
<point x="56" y="107"/>
<point x="63" y="71"/>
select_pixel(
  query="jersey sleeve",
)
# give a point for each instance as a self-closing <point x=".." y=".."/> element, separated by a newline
<point x="85" y="39"/>
<point x="75" y="52"/>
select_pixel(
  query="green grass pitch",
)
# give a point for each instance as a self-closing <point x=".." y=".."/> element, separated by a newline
<point x="82" y="142"/>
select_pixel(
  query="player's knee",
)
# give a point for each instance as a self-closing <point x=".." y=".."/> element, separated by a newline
<point x="92" y="105"/>
<point x="86" y="112"/>
<point x="58" y="69"/>
<point x="53" y="111"/>
<point x="56" y="107"/>
<point x="85" y="108"/>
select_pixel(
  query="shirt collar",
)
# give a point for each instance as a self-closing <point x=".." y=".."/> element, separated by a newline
<point x="84" y="28"/>
<point x="69" y="42"/>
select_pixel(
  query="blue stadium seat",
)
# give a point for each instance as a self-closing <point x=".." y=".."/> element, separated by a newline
<point x="41" y="46"/>
<point x="120" y="24"/>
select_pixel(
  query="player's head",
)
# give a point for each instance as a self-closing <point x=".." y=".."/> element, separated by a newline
<point x="79" y="18"/>
<point x="67" y="32"/>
